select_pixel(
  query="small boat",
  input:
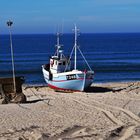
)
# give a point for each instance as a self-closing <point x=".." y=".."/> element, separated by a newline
<point x="60" y="76"/>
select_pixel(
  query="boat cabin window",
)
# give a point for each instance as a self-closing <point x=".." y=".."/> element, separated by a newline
<point x="55" y="62"/>
<point x="64" y="63"/>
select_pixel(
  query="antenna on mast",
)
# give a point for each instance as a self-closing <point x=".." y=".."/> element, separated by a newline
<point x="9" y="24"/>
<point x="58" y="43"/>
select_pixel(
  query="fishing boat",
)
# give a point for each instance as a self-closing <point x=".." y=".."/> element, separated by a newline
<point x="59" y="74"/>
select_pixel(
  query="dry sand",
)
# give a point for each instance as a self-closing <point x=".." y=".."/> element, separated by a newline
<point x="104" y="112"/>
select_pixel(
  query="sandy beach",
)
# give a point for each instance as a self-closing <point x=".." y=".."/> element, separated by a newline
<point x="109" y="111"/>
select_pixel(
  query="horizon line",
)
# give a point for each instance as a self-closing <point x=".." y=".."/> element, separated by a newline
<point x="72" y="33"/>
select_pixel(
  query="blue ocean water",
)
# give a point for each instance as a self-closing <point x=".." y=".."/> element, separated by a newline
<point x="113" y="57"/>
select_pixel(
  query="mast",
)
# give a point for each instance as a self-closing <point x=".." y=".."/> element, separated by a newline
<point x="58" y="45"/>
<point x="75" y="47"/>
<point x="9" y="24"/>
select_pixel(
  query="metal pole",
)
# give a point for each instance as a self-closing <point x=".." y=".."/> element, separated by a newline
<point x="9" y="23"/>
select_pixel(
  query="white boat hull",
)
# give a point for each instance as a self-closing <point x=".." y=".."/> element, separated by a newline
<point x="73" y="80"/>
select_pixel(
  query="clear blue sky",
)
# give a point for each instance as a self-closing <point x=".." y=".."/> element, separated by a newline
<point x="93" y="16"/>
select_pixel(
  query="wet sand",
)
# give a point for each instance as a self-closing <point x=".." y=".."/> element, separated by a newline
<point x="108" y="111"/>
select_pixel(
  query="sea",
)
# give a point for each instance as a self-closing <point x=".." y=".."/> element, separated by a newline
<point x="114" y="57"/>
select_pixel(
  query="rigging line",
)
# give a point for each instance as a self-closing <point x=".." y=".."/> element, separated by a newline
<point x="41" y="99"/>
<point x="69" y="58"/>
<point x="84" y="58"/>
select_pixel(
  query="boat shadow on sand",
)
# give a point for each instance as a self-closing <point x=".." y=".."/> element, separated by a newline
<point x="94" y="89"/>
<point x="99" y="89"/>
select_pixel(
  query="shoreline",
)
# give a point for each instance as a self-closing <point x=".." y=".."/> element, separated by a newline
<point x="108" y="111"/>
<point x="107" y="82"/>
